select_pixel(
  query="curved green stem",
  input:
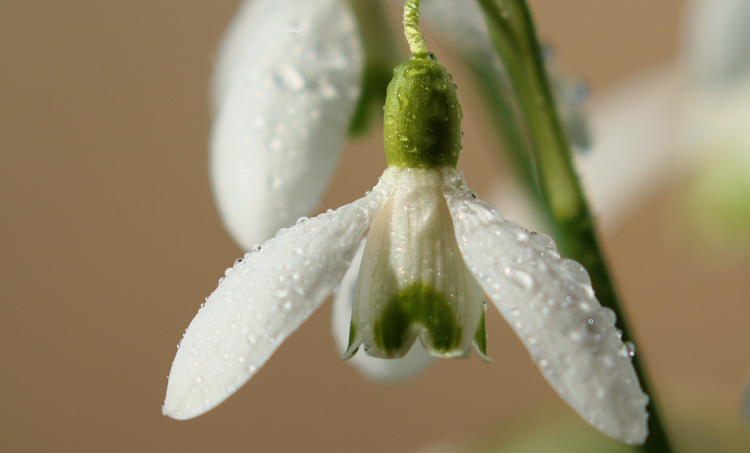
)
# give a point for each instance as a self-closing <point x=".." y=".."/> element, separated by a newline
<point x="512" y="30"/>
<point x="411" y="28"/>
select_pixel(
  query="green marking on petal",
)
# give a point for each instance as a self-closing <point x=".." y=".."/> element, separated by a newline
<point x="421" y="305"/>
<point x="480" y="336"/>
<point x="352" y="333"/>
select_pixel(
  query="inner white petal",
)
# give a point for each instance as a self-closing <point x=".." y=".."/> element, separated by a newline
<point x="413" y="282"/>
<point x="414" y="362"/>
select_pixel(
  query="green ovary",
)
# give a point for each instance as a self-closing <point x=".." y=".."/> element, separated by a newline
<point x="418" y="304"/>
<point x="422" y="124"/>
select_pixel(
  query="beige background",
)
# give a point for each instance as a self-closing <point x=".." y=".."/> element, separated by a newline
<point x="109" y="241"/>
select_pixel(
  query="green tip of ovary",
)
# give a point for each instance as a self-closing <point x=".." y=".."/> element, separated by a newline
<point x="422" y="121"/>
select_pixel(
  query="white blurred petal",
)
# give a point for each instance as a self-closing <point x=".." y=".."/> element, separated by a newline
<point x="263" y="299"/>
<point x="717" y="34"/>
<point x="388" y="370"/>
<point x="551" y="306"/>
<point x="286" y="83"/>
<point x="635" y="142"/>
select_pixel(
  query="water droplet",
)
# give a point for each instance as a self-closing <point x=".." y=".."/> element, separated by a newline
<point x="289" y="78"/>
<point x="310" y="55"/>
<point x="521" y="278"/>
<point x="577" y="271"/>
<point x="403" y="100"/>
<point x="627" y="349"/>
<point x="543" y="240"/>
<point x="608" y="316"/>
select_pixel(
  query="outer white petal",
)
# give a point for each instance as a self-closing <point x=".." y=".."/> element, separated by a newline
<point x="261" y="301"/>
<point x="550" y="304"/>
<point x="287" y="79"/>
<point x="717" y="34"/>
<point x="414" y="362"/>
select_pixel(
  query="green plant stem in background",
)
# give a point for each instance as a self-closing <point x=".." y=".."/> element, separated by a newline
<point x="513" y="135"/>
<point x="513" y="33"/>
<point x="381" y="56"/>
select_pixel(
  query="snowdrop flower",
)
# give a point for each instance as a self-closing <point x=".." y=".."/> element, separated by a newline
<point x="687" y="114"/>
<point x="433" y="251"/>
<point x="287" y="79"/>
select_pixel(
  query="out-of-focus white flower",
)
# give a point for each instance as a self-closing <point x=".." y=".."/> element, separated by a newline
<point x="433" y="249"/>
<point x="677" y="119"/>
<point x="286" y="80"/>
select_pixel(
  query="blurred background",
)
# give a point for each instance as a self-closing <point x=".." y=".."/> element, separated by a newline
<point x="110" y="241"/>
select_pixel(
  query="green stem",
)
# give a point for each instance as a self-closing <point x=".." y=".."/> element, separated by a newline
<point x="512" y="30"/>
<point x="411" y="28"/>
<point x="513" y="136"/>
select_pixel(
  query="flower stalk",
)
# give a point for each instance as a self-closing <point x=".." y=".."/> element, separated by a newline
<point x="513" y="33"/>
<point x="411" y="28"/>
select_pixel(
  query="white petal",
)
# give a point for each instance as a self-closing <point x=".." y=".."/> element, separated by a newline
<point x="635" y="142"/>
<point x="286" y="83"/>
<point x="716" y="36"/>
<point x="551" y="306"/>
<point x="414" y="362"/>
<point x="261" y="301"/>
